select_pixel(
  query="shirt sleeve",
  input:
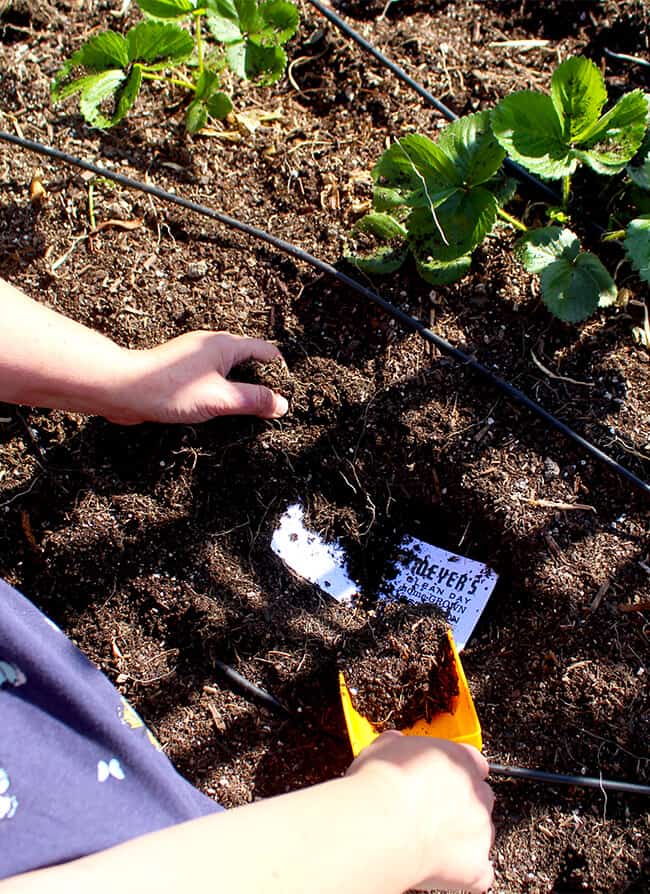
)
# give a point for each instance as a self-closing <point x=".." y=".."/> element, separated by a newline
<point x="79" y="770"/>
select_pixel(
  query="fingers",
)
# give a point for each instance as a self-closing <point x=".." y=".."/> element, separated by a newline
<point x="237" y="398"/>
<point x="241" y="348"/>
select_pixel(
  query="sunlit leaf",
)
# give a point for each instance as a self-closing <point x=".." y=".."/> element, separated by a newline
<point x="472" y="148"/>
<point x="551" y="135"/>
<point x="223" y="20"/>
<point x="539" y="248"/>
<point x="97" y="89"/>
<point x="614" y="139"/>
<point x="572" y="290"/>
<point x="256" y="63"/>
<point x="528" y="128"/>
<point x="154" y="41"/>
<point x="578" y="93"/>
<point x="166" y="9"/>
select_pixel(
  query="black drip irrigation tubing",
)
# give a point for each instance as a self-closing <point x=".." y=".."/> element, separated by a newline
<point x="605" y="785"/>
<point x="409" y="322"/>
<point x="255" y="692"/>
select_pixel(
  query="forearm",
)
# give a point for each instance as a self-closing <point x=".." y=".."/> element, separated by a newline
<point x="48" y="360"/>
<point x="340" y="837"/>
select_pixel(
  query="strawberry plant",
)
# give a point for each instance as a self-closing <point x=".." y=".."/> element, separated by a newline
<point x="243" y="35"/>
<point x="437" y="201"/>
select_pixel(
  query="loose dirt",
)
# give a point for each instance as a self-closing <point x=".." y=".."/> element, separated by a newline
<point x="402" y="666"/>
<point x="150" y="546"/>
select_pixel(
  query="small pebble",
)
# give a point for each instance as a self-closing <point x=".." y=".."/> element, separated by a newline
<point x="551" y="469"/>
<point x="196" y="269"/>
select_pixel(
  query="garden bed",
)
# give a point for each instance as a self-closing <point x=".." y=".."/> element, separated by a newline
<point x="150" y="546"/>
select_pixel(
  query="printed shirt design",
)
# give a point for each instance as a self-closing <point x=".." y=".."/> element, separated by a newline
<point x="64" y="722"/>
<point x="10" y="675"/>
<point x="8" y="802"/>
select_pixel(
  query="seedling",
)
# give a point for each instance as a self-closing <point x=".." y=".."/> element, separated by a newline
<point x="439" y="201"/>
<point x="247" y="36"/>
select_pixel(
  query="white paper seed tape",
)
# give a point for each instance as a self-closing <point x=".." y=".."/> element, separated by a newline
<point x="310" y="557"/>
<point x="460" y="587"/>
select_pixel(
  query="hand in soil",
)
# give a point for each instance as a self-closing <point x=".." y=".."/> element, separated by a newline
<point x="184" y="380"/>
<point x="446" y="802"/>
<point x="66" y="365"/>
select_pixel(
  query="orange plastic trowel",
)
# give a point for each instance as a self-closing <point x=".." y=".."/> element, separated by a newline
<point x="461" y="724"/>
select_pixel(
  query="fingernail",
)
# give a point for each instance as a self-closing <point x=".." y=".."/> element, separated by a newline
<point x="281" y="405"/>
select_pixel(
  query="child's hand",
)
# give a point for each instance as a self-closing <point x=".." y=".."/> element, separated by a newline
<point x="440" y="786"/>
<point x="184" y="380"/>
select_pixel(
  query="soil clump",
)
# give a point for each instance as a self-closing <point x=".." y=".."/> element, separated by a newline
<point x="403" y="667"/>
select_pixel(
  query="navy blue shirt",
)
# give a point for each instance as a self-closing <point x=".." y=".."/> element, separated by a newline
<point x="79" y="771"/>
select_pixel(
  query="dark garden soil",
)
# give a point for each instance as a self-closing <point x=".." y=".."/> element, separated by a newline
<point x="150" y="545"/>
<point x="399" y="667"/>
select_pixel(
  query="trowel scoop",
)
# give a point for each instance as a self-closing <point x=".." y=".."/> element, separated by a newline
<point x="461" y="724"/>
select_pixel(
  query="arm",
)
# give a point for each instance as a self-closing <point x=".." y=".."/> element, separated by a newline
<point x="48" y="360"/>
<point x="410" y="812"/>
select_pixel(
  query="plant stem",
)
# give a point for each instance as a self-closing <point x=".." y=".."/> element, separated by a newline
<point x="91" y="205"/>
<point x="513" y="221"/>
<point x="566" y="191"/>
<point x="613" y="236"/>
<point x="179" y="82"/>
<point x="199" y="44"/>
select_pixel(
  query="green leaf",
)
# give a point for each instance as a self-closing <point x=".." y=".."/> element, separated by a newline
<point x="381" y="226"/>
<point x="637" y="245"/>
<point x="166" y="9"/>
<point x="385" y="260"/>
<point x="528" y="128"/>
<point x="127" y="95"/>
<point x="219" y="105"/>
<point x="208" y="100"/>
<point x="463" y="221"/>
<point x="97" y="89"/>
<point x="572" y="290"/>
<point x="551" y="135"/>
<point x="574" y="282"/>
<point x="441" y="273"/>
<point x="385" y="199"/>
<point x="252" y="62"/>
<point x="103" y="51"/>
<point x="472" y="148"/>
<point x="223" y="20"/>
<point x="578" y="93"/>
<point x="250" y="20"/>
<point x="419" y="169"/>
<point x="639" y="169"/>
<point x="196" y="116"/>
<point x="539" y="248"/>
<point x="616" y="137"/>
<point x="206" y="84"/>
<point x="281" y="20"/>
<point x="154" y="41"/>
